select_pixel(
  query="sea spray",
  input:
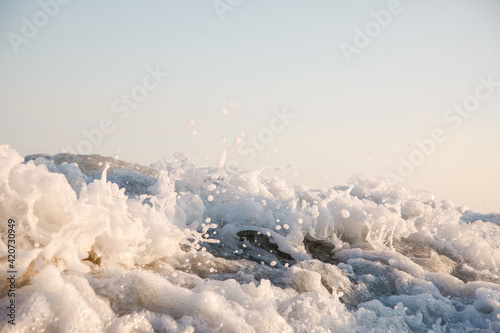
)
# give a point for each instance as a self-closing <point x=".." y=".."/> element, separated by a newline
<point x="105" y="245"/>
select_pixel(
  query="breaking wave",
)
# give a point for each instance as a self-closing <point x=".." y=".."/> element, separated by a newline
<point x="108" y="246"/>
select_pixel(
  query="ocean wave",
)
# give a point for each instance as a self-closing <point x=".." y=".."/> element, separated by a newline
<point x="104" y="245"/>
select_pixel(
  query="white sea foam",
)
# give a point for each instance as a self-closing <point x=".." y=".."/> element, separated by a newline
<point x="104" y="245"/>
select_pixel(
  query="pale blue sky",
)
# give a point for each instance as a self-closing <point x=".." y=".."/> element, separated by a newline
<point x="350" y="118"/>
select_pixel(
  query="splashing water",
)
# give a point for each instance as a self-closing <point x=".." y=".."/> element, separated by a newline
<point x="108" y="246"/>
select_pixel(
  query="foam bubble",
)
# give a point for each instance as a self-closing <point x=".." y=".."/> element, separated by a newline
<point x="345" y="213"/>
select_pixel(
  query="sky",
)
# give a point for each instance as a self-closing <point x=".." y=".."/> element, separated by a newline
<point x="332" y="88"/>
